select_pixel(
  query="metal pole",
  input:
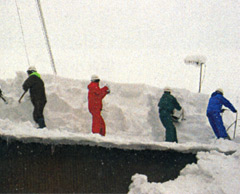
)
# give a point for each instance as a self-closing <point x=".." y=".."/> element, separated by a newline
<point x="235" y="125"/>
<point x="200" y="80"/>
<point x="46" y="36"/>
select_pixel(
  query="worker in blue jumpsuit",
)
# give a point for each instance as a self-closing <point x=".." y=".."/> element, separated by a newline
<point x="214" y="110"/>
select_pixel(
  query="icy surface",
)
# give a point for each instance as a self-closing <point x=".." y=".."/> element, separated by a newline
<point x="131" y="116"/>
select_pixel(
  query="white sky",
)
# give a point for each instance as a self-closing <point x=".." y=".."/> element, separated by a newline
<point x="132" y="41"/>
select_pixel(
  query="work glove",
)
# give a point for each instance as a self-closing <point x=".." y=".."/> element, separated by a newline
<point x="223" y="110"/>
<point x="108" y="91"/>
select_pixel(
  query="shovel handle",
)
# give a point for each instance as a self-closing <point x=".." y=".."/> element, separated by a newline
<point x="235" y="127"/>
<point x="4" y="99"/>
<point x="22" y="97"/>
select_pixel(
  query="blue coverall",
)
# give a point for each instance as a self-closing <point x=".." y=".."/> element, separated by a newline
<point x="213" y="113"/>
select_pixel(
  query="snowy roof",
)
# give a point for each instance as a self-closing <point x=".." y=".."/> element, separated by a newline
<point x="132" y="120"/>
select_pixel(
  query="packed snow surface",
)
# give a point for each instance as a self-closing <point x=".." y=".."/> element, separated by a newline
<point x="131" y="115"/>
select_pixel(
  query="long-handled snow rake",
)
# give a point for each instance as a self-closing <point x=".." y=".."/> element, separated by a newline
<point x="235" y="125"/>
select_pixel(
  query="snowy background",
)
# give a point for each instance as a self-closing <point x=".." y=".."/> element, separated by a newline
<point x="137" y="47"/>
<point x="132" y="41"/>
<point x="131" y="116"/>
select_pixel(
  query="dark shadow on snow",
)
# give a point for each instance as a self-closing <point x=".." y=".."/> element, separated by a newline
<point x="46" y="168"/>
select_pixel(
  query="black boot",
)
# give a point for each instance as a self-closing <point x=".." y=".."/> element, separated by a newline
<point x="41" y="123"/>
<point x="227" y="137"/>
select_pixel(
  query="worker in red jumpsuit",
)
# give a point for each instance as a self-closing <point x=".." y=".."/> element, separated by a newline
<point x="95" y="96"/>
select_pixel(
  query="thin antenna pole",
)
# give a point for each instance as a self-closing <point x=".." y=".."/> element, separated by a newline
<point x="46" y="36"/>
<point x="24" y="42"/>
<point x="200" y="80"/>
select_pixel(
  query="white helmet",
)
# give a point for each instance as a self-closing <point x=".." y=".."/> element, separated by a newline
<point x="220" y="90"/>
<point x="94" y="78"/>
<point x="167" y="89"/>
<point x="32" y="68"/>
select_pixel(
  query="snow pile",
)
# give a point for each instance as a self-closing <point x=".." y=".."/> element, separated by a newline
<point x="129" y="111"/>
<point x="214" y="172"/>
<point x="131" y="116"/>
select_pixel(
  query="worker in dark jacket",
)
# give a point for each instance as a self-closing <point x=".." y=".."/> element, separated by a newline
<point x="213" y="113"/>
<point x="95" y="97"/>
<point x="37" y="93"/>
<point x="166" y="106"/>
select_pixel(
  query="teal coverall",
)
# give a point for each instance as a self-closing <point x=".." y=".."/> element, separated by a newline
<point x="166" y="106"/>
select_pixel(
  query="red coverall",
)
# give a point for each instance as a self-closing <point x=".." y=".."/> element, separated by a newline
<point x="95" y="96"/>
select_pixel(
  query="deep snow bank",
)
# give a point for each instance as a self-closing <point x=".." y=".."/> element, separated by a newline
<point x="130" y="112"/>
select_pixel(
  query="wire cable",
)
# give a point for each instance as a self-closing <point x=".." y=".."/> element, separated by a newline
<point x="20" y="22"/>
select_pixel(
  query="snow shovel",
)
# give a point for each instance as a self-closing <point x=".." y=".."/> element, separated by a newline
<point x="22" y="97"/>
<point x="6" y="102"/>
<point x="178" y="115"/>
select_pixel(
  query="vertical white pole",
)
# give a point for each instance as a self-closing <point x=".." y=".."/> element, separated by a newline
<point x="200" y="80"/>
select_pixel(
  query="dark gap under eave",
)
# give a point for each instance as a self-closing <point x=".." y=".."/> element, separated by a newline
<point x="46" y="168"/>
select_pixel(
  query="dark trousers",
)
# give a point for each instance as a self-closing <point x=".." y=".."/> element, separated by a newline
<point x="167" y="121"/>
<point x="38" y="112"/>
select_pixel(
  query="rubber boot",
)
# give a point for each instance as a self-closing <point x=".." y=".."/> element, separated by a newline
<point x="227" y="137"/>
<point x="41" y="123"/>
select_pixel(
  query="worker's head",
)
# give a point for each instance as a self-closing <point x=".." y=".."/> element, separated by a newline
<point x="219" y="90"/>
<point x="167" y="89"/>
<point x="95" y="78"/>
<point x="31" y="69"/>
